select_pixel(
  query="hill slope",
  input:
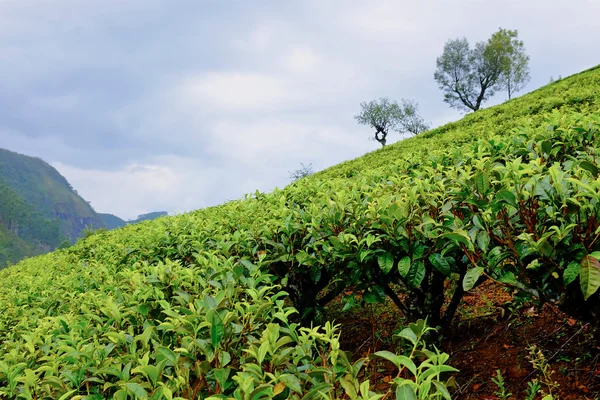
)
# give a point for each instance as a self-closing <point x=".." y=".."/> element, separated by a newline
<point x="191" y="306"/>
<point x="38" y="206"/>
<point x="111" y="221"/>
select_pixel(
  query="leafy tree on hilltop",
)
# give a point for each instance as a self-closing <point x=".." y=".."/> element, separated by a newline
<point x="384" y="115"/>
<point x="516" y="69"/>
<point x="469" y="76"/>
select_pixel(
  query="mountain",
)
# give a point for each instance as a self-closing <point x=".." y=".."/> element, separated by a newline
<point x="149" y="216"/>
<point x="38" y="208"/>
<point x="111" y="221"/>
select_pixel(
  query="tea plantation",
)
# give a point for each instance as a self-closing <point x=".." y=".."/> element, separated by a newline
<point x="227" y="302"/>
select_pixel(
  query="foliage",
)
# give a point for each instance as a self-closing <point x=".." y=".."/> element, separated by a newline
<point x="302" y="172"/>
<point x="469" y="76"/>
<point x="111" y="221"/>
<point x="502" y="391"/>
<point x="148" y="216"/>
<point x="425" y="380"/>
<point x="218" y="329"/>
<point x="509" y="193"/>
<point x="25" y="231"/>
<point x="41" y="185"/>
<point x="383" y="116"/>
<point x="38" y="207"/>
<point x="516" y="69"/>
<point x="539" y="363"/>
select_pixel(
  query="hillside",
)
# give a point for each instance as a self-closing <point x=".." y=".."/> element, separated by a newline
<point x="113" y="222"/>
<point x="148" y="216"/>
<point x="192" y="306"/>
<point x="39" y="208"/>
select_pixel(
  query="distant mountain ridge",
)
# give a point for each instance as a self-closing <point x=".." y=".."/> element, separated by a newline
<point x="39" y="209"/>
<point x="111" y="221"/>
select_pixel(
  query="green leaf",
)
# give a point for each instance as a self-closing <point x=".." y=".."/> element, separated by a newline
<point x="483" y="240"/>
<point x="217" y="330"/>
<point x="398" y="361"/>
<point x="138" y="391"/>
<point x="508" y="277"/>
<point x="440" y="263"/>
<point x="546" y="146"/>
<point x="152" y="372"/>
<point x="364" y="389"/>
<point x="507" y="197"/>
<point x="404" y="266"/>
<point x="167" y="353"/>
<point x="442" y="389"/>
<point x="372" y="239"/>
<point x="458" y="238"/>
<point x="589" y="275"/>
<point x="386" y="262"/>
<point x="571" y="273"/>
<point x="262" y="351"/>
<point x="482" y="183"/>
<point x="68" y="395"/>
<point x="348" y="302"/>
<point x="120" y="395"/>
<point x="291" y="382"/>
<point x="375" y="294"/>
<point x="405" y="392"/>
<point x="224" y="358"/>
<point x="588" y="166"/>
<point x="545" y="248"/>
<point x="471" y="278"/>
<point x="416" y="274"/>
<point x="221" y="375"/>
<point x="348" y="384"/>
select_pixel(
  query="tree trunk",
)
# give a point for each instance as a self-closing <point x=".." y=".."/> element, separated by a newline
<point x="381" y="139"/>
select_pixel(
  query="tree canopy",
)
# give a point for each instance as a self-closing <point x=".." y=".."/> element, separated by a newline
<point x="515" y="74"/>
<point x="470" y="76"/>
<point x="384" y="116"/>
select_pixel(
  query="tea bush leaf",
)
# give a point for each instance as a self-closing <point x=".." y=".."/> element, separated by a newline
<point x="589" y="274"/>
<point x="471" y="278"/>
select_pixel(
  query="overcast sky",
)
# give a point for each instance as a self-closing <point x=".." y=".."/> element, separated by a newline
<point x="175" y="105"/>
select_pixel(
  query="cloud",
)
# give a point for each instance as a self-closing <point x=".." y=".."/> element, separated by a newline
<point x="302" y="60"/>
<point x="141" y="188"/>
<point x="231" y="91"/>
<point x="151" y="105"/>
<point x="260" y="38"/>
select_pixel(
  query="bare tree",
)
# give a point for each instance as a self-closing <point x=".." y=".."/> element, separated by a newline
<point x="303" y="172"/>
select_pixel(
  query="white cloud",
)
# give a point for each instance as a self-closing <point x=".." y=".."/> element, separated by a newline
<point x="271" y="144"/>
<point x="241" y="107"/>
<point x="388" y="19"/>
<point x="128" y="192"/>
<point x="302" y="60"/>
<point x="231" y="91"/>
<point x="261" y="38"/>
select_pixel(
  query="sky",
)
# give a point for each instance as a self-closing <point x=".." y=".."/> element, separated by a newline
<point x="176" y="105"/>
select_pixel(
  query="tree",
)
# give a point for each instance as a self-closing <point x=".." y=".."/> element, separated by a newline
<point x="303" y="172"/>
<point x="385" y="116"/>
<point x="469" y="77"/>
<point x="515" y="74"/>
